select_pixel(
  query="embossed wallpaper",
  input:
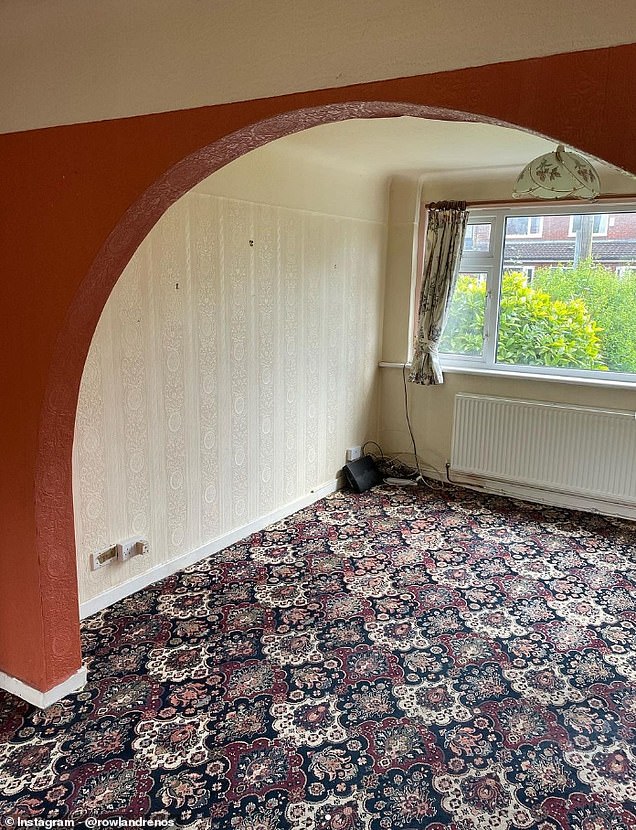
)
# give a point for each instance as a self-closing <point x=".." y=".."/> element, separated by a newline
<point x="235" y="361"/>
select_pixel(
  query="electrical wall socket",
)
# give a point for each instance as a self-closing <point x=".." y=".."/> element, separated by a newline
<point x="105" y="557"/>
<point x="353" y="453"/>
<point x="131" y="547"/>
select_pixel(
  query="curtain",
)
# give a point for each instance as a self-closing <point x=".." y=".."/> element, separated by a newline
<point x="442" y="252"/>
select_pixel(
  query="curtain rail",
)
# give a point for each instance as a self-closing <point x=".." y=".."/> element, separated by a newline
<point x="614" y="198"/>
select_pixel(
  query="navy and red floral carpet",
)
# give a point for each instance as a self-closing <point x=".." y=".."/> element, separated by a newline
<point x="397" y="659"/>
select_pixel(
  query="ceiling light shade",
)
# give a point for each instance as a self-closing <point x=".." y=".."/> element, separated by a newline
<point x="558" y="175"/>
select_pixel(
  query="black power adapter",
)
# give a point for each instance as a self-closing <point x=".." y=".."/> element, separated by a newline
<point x="362" y="474"/>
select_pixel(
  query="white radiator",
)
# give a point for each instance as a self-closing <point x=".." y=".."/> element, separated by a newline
<point x="577" y="450"/>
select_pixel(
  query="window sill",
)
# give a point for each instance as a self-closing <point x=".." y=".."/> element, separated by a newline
<point x="505" y="373"/>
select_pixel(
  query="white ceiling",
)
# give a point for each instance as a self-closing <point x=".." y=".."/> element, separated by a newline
<point x="387" y="146"/>
<point x="68" y="61"/>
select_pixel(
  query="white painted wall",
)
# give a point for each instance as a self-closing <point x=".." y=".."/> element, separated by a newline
<point x="431" y="407"/>
<point x="297" y="175"/>
<point x="66" y="61"/>
<point x="226" y="378"/>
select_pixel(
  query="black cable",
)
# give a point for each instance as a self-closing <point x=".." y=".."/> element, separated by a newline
<point x="392" y="464"/>
<point x="386" y="463"/>
<point x="375" y="444"/>
<point x="408" y="421"/>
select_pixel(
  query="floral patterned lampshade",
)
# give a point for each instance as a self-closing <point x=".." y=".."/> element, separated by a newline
<point x="558" y="175"/>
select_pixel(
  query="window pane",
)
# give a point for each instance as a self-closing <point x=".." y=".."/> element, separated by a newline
<point x="568" y="299"/>
<point x="477" y="237"/>
<point x="535" y="330"/>
<point x="464" y="331"/>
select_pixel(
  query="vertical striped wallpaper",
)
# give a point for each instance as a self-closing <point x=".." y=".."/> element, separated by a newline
<point x="233" y="364"/>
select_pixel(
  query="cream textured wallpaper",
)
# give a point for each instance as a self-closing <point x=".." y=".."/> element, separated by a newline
<point x="235" y="361"/>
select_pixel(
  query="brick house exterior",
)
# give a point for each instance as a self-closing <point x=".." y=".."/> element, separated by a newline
<point x="540" y="241"/>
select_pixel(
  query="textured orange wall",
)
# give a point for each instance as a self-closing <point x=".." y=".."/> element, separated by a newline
<point x="65" y="189"/>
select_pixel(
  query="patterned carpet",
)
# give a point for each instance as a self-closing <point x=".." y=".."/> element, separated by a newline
<point x="397" y="659"/>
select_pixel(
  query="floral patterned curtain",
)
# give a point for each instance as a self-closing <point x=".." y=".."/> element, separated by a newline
<point x="444" y="241"/>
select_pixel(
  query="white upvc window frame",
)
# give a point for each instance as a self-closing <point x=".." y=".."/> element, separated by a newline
<point x="483" y="262"/>
<point x="491" y="263"/>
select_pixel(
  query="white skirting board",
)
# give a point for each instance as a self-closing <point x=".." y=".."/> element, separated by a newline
<point x="523" y="492"/>
<point x="43" y="699"/>
<point x="113" y="595"/>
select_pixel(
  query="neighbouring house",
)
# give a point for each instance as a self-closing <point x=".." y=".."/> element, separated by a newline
<point x="538" y="241"/>
<point x="543" y="241"/>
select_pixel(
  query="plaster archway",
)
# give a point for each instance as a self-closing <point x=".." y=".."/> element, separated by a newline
<point x="53" y="480"/>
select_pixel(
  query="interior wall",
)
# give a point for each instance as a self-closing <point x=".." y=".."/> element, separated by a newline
<point x="77" y="201"/>
<point x="431" y="407"/>
<point x="401" y="265"/>
<point x="234" y="362"/>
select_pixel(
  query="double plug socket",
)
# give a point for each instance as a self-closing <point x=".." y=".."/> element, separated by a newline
<point x="121" y="552"/>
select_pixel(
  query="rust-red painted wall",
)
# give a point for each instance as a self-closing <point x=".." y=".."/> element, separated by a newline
<point x="66" y="188"/>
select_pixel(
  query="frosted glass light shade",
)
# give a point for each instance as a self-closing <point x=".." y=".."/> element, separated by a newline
<point x="558" y="175"/>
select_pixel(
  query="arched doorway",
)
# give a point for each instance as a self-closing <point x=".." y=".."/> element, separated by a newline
<point x="53" y="483"/>
<point x="54" y="470"/>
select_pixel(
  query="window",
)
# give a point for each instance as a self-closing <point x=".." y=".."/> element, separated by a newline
<point x="477" y="237"/>
<point x="625" y="270"/>
<point x="599" y="227"/>
<point x="463" y="333"/>
<point x="524" y="226"/>
<point x="528" y="305"/>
